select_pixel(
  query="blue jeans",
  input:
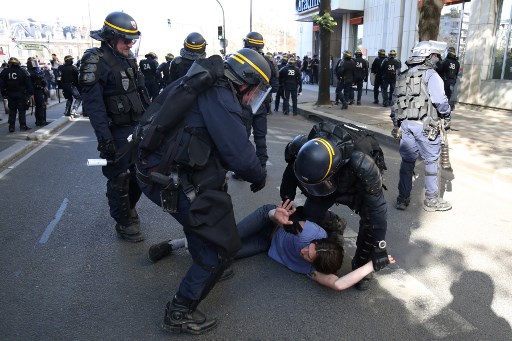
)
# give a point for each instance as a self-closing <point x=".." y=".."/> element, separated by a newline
<point x="256" y="232"/>
<point x="415" y="143"/>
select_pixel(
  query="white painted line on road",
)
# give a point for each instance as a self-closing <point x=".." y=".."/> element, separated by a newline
<point x="32" y="152"/>
<point x="51" y="226"/>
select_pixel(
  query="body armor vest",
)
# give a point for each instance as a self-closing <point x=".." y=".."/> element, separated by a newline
<point x="413" y="100"/>
<point x="122" y="102"/>
<point x="68" y="74"/>
<point x="37" y="78"/>
<point x="14" y="80"/>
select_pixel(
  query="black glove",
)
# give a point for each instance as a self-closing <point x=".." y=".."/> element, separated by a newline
<point x="380" y="256"/>
<point x="447" y="124"/>
<point x="107" y="149"/>
<point x="257" y="186"/>
<point x="297" y="216"/>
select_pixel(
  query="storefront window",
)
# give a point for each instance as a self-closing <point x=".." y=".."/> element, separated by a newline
<point x="502" y="68"/>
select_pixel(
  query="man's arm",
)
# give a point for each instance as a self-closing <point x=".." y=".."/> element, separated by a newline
<point x="341" y="283"/>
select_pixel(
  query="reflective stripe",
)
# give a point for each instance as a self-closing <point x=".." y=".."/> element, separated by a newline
<point x="195" y="47"/>
<point x="120" y="28"/>
<point x="239" y="55"/>
<point x="330" y="151"/>
<point x="255" y="41"/>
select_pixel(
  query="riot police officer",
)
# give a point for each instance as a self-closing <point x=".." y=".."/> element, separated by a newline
<point x="254" y="41"/>
<point x="114" y="98"/>
<point x="163" y="71"/>
<point x="360" y="73"/>
<point x="149" y="68"/>
<point x="330" y="166"/>
<point x="194" y="48"/>
<point x="69" y="83"/>
<point x="292" y="84"/>
<point x="449" y="70"/>
<point x="346" y="72"/>
<point x="280" y="89"/>
<point x="377" y="74"/>
<point x="390" y="68"/>
<point x="418" y="110"/>
<point x="17" y="87"/>
<point x="211" y="142"/>
<point x="40" y="91"/>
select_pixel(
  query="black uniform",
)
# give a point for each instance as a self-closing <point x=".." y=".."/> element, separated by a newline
<point x="17" y="87"/>
<point x="315" y="64"/>
<point x="292" y="84"/>
<point x="280" y="89"/>
<point x="149" y="68"/>
<point x="40" y="95"/>
<point x="390" y="68"/>
<point x="69" y="85"/>
<point x="360" y="75"/>
<point x="449" y="70"/>
<point x="179" y="67"/>
<point x="164" y="71"/>
<point x="111" y="88"/>
<point x="346" y="75"/>
<point x="377" y="71"/>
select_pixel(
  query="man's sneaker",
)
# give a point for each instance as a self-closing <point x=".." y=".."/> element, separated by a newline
<point x="358" y="102"/>
<point x="11" y="128"/>
<point x="351" y="102"/>
<point x="25" y="127"/>
<point x="436" y="204"/>
<point x="344" y="106"/>
<point x="402" y="203"/>
<point x="130" y="233"/>
<point x="159" y="251"/>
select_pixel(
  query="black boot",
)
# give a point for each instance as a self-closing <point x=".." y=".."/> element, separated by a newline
<point x="181" y="317"/>
<point x="159" y="251"/>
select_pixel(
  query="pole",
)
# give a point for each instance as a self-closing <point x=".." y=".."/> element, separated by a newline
<point x="250" y="17"/>
<point x="223" y="27"/>
<point x="90" y="25"/>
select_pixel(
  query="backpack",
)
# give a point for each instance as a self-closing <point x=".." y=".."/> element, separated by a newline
<point x="361" y="140"/>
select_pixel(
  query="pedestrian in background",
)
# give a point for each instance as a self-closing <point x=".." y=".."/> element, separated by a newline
<point x="114" y="98"/>
<point x="16" y="86"/>
<point x="315" y="65"/>
<point x="418" y="111"/>
<point x="449" y="70"/>
<point x="69" y="85"/>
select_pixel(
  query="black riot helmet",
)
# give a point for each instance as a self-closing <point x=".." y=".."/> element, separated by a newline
<point x="247" y="66"/>
<point x="117" y="25"/>
<point x="195" y="43"/>
<point x="169" y="57"/>
<point x="359" y="53"/>
<point x="347" y="54"/>
<point x="316" y="164"/>
<point x="32" y="63"/>
<point x="68" y="60"/>
<point x="13" y="61"/>
<point x="151" y="55"/>
<point x="451" y="52"/>
<point x="382" y="53"/>
<point x="392" y="54"/>
<point x="254" y="40"/>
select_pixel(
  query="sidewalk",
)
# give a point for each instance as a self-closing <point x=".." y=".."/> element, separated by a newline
<point x="13" y="145"/>
<point x="480" y="139"/>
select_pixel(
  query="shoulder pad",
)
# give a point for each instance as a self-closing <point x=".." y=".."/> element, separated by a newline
<point x="177" y="60"/>
<point x="25" y="72"/>
<point x="293" y="147"/>
<point x="367" y="171"/>
<point x="89" y="66"/>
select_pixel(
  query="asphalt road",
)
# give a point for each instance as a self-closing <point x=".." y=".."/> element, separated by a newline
<point x="66" y="276"/>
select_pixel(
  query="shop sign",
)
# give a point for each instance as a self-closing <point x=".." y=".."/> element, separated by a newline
<point x="306" y="5"/>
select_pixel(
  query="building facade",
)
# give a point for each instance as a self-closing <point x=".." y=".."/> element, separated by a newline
<point x="480" y="30"/>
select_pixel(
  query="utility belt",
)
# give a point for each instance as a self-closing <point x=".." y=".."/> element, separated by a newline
<point x="170" y="186"/>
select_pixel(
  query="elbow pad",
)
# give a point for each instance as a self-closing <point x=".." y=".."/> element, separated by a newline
<point x="292" y="148"/>
<point x="367" y="171"/>
<point x="90" y="67"/>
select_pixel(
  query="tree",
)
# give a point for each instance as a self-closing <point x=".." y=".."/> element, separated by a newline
<point x="430" y="17"/>
<point x="325" y="22"/>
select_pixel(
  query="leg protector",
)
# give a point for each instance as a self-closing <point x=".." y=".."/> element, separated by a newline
<point x="431" y="185"/>
<point x="182" y="315"/>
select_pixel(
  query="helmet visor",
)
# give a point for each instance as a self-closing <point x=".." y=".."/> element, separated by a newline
<point x="257" y="96"/>
<point x="320" y="189"/>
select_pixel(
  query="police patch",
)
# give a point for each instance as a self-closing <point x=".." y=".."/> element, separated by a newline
<point x="134" y="24"/>
<point x="126" y="83"/>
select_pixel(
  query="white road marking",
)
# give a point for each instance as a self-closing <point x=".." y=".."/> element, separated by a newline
<point x="51" y="226"/>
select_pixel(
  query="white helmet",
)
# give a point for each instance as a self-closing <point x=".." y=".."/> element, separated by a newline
<point x="424" y="49"/>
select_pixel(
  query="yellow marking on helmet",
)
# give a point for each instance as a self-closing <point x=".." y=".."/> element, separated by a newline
<point x="238" y="59"/>
<point x="241" y="56"/>
<point x="255" y="41"/>
<point x="330" y="151"/>
<point x="195" y="46"/>
<point x="120" y="28"/>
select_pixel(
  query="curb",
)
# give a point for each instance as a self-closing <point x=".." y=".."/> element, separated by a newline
<point x="22" y="147"/>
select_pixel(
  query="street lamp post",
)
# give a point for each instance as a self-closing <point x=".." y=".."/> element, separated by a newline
<point x="223" y="43"/>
